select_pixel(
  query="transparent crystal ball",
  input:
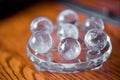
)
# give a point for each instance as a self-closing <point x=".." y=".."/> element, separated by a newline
<point x="67" y="30"/>
<point x="69" y="48"/>
<point x="67" y="16"/>
<point x="93" y="22"/>
<point x="40" y="42"/>
<point x="41" y="24"/>
<point x="95" y="39"/>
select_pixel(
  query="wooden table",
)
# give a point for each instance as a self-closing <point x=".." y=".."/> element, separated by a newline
<point x="15" y="64"/>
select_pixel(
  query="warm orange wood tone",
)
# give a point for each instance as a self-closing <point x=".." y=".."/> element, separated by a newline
<point x="15" y="64"/>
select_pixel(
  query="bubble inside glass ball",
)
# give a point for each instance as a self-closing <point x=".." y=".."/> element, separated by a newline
<point x="69" y="48"/>
<point x="93" y="22"/>
<point x="41" y="24"/>
<point x="68" y="16"/>
<point x="40" y="42"/>
<point x="67" y="30"/>
<point x="95" y="39"/>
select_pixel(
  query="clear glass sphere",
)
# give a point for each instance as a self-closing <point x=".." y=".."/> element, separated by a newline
<point x="67" y="30"/>
<point x="69" y="48"/>
<point x="41" y="24"/>
<point x="68" y="16"/>
<point x="95" y="39"/>
<point x="93" y="22"/>
<point x="40" y="42"/>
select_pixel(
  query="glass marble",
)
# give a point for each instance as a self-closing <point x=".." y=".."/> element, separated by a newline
<point x="41" y="24"/>
<point x="93" y="22"/>
<point x="69" y="48"/>
<point x="40" y="42"/>
<point x="95" y="39"/>
<point x="67" y="16"/>
<point x="67" y="30"/>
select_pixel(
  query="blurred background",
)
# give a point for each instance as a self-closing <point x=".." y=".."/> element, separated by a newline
<point x="106" y="9"/>
<point x="10" y="7"/>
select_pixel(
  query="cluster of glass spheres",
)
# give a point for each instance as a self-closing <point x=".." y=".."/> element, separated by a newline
<point x="69" y="47"/>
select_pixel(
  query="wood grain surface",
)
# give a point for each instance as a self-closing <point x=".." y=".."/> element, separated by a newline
<point x="15" y="64"/>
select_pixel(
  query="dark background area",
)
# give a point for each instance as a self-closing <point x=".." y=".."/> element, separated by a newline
<point x="9" y="7"/>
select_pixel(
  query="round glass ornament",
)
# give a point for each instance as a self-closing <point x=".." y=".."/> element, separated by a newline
<point x="41" y="24"/>
<point x="51" y="57"/>
<point x="67" y="16"/>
